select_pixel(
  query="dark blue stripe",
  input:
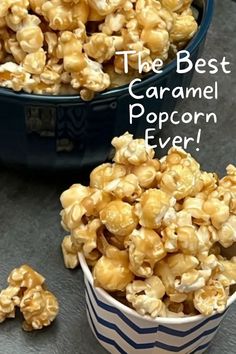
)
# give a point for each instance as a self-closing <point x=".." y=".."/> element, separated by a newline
<point x="201" y="347"/>
<point x="103" y="338"/>
<point x="122" y="316"/>
<point x="150" y="330"/>
<point x="150" y="345"/>
<point x="117" y="329"/>
<point x="191" y="330"/>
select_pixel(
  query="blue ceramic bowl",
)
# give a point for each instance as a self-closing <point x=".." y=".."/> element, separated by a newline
<point x="65" y="133"/>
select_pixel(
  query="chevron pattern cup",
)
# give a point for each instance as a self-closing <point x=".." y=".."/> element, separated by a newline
<point x="121" y="330"/>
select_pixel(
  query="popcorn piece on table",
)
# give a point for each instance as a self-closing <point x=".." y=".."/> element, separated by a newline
<point x="26" y="291"/>
<point x="8" y="300"/>
<point x="39" y="308"/>
<point x="25" y="277"/>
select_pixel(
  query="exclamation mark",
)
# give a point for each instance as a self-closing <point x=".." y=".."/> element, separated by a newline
<point x="198" y="138"/>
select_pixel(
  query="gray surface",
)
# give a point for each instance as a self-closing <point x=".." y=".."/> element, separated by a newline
<point x="30" y="230"/>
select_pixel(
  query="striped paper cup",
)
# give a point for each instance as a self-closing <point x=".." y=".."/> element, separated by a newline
<point x="120" y="329"/>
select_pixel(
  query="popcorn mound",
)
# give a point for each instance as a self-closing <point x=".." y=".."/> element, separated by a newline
<point x="153" y="230"/>
<point x="69" y="46"/>
<point x="26" y="290"/>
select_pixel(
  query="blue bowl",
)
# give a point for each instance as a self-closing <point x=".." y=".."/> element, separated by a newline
<point x="53" y="133"/>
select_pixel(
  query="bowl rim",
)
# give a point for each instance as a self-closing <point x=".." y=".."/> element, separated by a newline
<point x="208" y="7"/>
<point x="130" y="312"/>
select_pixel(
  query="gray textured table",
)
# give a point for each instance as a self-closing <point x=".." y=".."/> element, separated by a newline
<point x="30" y="229"/>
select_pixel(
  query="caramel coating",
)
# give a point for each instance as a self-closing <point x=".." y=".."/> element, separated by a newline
<point x="119" y="218"/>
<point x="84" y="237"/>
<point x="145" y="250"/>
<point x="146" y="173"/>
<point x="105" y="173"/>
<point x="150" y="302"/>
<point x="131" y="151"/>
<point x="111" y="272"/>
<point x="70" y="253"/>
<point x="126" y="187"/>
<point x="25" y="277"/>
<point x="210" y="298"/>
<point x="8" y="301"/>
<point x="154" y="204"/>
<point x="64" y="16"/>
<point x="39" y="308"/>
<point x="181" y="174"/>
<point x="29" y="35"/>
<point x="26" y="291"/>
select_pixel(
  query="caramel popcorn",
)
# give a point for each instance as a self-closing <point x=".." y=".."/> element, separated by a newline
<point x="145" y="250"/>
<point x="154" y="204"/>
<point x="26" y="291"/>
<point x="126" y="187"/>
<point x="119" y="218"/>
<point x="150" y="302"/>
<point x="85" y="35"/>
<point x="211" y="297"/>
<point x="39" y="308"/>
<point x="192" y="281"/>
<point x="129" y="151"/>
<point x="85" y="237"/>
<point x="111" y="272"/>
<point x="25" y="277"/>
<point x="29" y="34"/>
<point x="70" y="253"/>
<point x="154" y="230"/>
<point x="8" y="301"/>
<point x="106" y="173"/>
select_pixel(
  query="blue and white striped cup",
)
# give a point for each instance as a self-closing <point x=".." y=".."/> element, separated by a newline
<point x="122" y="330"/>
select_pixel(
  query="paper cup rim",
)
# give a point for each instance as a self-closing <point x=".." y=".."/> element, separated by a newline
<point x="125" y="309"/>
